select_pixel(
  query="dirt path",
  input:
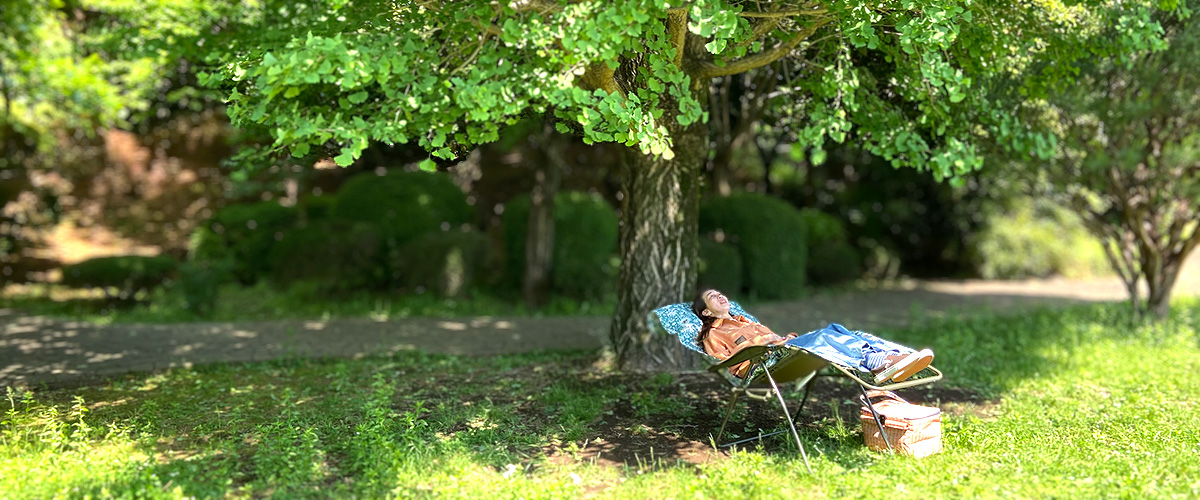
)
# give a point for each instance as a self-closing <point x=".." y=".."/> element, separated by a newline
<point x="38" y="350"/>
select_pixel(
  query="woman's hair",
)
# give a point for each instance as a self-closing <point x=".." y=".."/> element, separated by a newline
<point x="698" y="307"/>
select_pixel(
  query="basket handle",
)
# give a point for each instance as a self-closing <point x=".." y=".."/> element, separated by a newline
<point x="888" y="395"/>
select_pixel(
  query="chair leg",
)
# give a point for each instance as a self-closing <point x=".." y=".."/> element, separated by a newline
<point x="795" y="434"/>
<point x="728" y="411"/>
<point x="807" y="387"/>
<point x="878" y="422"/>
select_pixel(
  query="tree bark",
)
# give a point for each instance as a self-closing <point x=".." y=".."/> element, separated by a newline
<point x="539" y="237"/>
<point x="658" y="244"/>
<point x="1158" y="301"/>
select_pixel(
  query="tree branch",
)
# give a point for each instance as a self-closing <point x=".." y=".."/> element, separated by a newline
<point x="677" y="32"/>
<point x="784" y="13"/>
<point x="708" y="70"/>
<point x="599" y="76"/>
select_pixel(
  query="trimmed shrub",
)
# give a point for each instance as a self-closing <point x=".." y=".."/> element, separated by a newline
<point x="444" y="263"/>
<point x="199" y="284"/>
<point x="120" y="276"/>
<point x="831" y="258"/>
<point x="822" y="227"/>
<point x="770" y="236"/>
<point x="334" y="255"/>
<point x="720" y="267"/>
<point x="243" y="235"/>
<point x="585" y="240"/>
<point x="1038" y="239"/>
<point x="316" y="208"/>
<point x="403" y="205"/>
<point x="830" y="264"/>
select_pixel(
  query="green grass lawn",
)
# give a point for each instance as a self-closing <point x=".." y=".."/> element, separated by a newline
<point x="1052" y="404"/>
<point x="263" y="302"/>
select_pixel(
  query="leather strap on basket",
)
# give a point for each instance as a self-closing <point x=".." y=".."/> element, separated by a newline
<point x="889" y="395"/>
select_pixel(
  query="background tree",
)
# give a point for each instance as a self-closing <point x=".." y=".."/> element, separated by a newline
<point x="54" y="91"/>
<point x="1130" y="158"/>
<point x="337" y="74"/>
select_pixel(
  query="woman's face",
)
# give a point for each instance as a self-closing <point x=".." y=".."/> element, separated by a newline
<point x="717" y="304"/>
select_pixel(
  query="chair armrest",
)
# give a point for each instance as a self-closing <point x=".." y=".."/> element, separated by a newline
<point x="744" y="354"/>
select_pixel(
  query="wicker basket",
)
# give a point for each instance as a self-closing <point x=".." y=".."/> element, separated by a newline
<point x="913" y="430"/>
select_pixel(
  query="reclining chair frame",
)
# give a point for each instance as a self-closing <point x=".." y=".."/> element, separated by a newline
<point x="803" y="366"/>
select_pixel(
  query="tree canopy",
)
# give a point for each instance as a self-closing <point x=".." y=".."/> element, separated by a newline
<point x="1129" y="158"/>
<point x="449" y="75"/>
<point x="918" y="82"/>
<point x="924" y="84"/>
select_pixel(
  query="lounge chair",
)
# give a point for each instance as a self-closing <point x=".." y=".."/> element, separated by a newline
<point x="771" y="366"/>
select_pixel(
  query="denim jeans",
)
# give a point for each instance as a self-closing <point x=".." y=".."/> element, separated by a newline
<point x="838" y="345"/>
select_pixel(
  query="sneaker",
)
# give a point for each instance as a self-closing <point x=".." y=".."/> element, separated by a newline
<point x="907" y="367"/>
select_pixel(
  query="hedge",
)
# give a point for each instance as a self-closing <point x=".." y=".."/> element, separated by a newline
<point x="720" y="267"/>
<point x="335" y="255"/>
<point x="443" y="263"/>
<point x="1037" y="239"/>
<point x="127" y="274"/>
<point x="770" y="236"/>
<point x="403" y="205"/>
<point x="585" y="243"/>
<point x="831" y="257"/>
<point x="243" y="235"/>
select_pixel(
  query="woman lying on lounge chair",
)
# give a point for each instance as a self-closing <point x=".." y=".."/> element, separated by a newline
<point x="723" y="335"/>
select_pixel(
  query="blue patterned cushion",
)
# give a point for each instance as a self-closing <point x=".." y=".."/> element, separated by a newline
<point x="679" y="320"/>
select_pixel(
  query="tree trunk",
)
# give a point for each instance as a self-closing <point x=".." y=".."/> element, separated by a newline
<point x="658" y="243"/>
<point x="539" y="237"/>
<point x="5" y="124"/>
<point x="1158" y="301"/>
<point x="721" y="169"/>
<point x="767" y="154"/>
<point x="724" y="136"/>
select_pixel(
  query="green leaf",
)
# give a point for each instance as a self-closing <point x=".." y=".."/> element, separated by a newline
<point x="344" y="159"/>
<point x="427" y="165"/>
<point x="358" y="97"/>
<point x="818" y="156"/>
<point x="716" y="46"/>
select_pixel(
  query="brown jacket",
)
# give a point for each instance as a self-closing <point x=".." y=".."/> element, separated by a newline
<point x="728" y="336"/>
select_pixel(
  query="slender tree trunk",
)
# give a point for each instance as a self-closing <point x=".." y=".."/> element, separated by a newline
<point x="725" y="136"/>
<point x="767" y="154"/>
<point x="1159" y="300"/>
<point x="539" y="238"/>
<point x="5" y="123"/>
<point x="721" y="169"/>
<point x="658" y="240"/>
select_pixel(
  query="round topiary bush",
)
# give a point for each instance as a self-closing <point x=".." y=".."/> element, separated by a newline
<point x="585" y="240"/>
<point x="334" y="255"/>
<point x="720" y="267"/>
<point x="770" y="236"/>
<point x="199" y="284"/>
<point x="403" y="205"/>
<point x="121" y="276"/>
<point x="831" y="258"/>
<point x="243" y="235"/>
<point x="316" y="208"/>
<point x="834" y="263"/>
<point x="444" y="262"/>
